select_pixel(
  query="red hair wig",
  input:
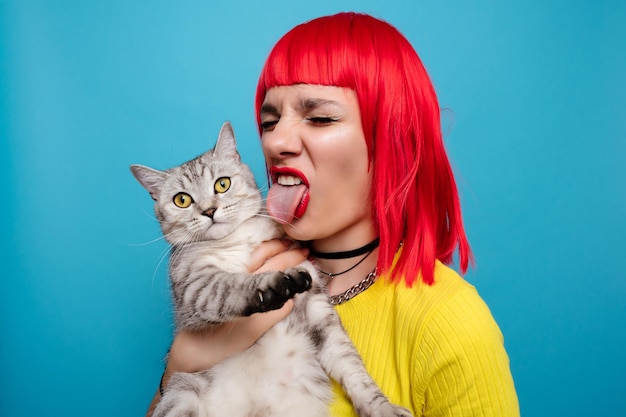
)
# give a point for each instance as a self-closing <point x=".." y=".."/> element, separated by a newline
<point x="414" y="195"/>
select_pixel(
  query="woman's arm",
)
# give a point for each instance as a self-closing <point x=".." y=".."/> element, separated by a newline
<point x="195" y="351"/>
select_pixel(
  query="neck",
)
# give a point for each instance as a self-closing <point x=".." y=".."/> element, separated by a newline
<point x="345" y="241"/>
<point x="355" y="273"/>
<point x="347" y="254"/>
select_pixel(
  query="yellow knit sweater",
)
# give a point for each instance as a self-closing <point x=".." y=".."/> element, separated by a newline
<point x="435" y="350"/>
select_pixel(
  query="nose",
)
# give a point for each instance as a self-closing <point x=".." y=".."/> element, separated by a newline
<point x="210" y="212"/>
<point x="282" y="141"/>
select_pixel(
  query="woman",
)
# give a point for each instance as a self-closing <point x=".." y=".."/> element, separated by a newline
<point x="350" y="129"/>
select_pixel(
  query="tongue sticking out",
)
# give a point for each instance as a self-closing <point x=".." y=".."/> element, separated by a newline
<point x="284" y="202"/>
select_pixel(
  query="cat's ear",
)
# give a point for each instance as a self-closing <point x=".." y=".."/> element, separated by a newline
<point x="151" y="179"/>
<point x="226" y="146"/>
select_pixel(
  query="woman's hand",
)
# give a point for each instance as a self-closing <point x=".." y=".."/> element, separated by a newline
<point x="194" y="351"/>
<point x="198" y="350"/>
<point x="276" y="255"/>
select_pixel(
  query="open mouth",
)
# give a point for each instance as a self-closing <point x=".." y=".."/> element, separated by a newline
<point x="288" y="197"/>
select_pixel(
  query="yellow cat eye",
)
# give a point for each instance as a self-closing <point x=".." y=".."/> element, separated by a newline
<point x="222" y="185"/>
<point x="183" y="200"/>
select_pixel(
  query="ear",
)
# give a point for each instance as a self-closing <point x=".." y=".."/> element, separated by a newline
<point x="150" y="179"/>
<point x="226" y="147"/>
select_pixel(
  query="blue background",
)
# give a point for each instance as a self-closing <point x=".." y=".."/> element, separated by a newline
<point x="535" y="118"/>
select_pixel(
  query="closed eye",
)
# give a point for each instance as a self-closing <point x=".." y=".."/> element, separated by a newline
<point x="268" y="125"/>
<point x="321" y="121"/>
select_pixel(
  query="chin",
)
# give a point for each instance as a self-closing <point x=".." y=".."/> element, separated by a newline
<point x="299" y="231"/>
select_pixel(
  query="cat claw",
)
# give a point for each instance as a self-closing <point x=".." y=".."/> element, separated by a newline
<point x="282" y="287"/>
<point x="299" y="280"/>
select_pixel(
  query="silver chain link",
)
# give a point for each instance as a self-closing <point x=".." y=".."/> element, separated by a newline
<point x="354" y="290"/>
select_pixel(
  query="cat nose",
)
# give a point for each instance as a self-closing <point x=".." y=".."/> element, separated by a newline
<point x="210" y="212"/>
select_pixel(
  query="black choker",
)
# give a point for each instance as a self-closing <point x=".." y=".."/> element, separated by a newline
<point x="331" y="275"/>
<point x="346" y="254"/>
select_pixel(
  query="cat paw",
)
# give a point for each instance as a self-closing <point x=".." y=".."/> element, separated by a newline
<point x="181" y="397"/>
<point x="391" y="410"/>
<point x="172" y="407"/>
<point x="280" y="287"/>
<point x="401" y="412"/>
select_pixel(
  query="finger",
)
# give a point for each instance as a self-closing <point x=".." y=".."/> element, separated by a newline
<point x="265" y="251"/>
<point x="284" y="260"/>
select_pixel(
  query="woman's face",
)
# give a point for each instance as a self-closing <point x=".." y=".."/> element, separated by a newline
<point x="315" y="149"/>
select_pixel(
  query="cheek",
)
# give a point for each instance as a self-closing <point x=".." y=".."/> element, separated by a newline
<point x="352" y="165"/>
<point x="346" y="179"/>
<point x="178" y="218"/>
<point x="345" y="146"/>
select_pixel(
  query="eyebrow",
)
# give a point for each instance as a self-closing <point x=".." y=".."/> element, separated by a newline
<point x="304" y="105"/>
<point x="268" y="108"/>
<point x="312" y="103"/>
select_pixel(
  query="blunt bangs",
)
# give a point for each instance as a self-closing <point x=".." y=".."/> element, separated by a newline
<point x="320" y="52"/>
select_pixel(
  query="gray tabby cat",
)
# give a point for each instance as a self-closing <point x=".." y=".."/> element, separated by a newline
<point x="211" y="212"/>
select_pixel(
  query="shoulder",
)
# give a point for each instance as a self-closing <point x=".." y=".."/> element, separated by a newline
<point x="447" y="283"/>
<point x="461" y="309"/>
<point x="449" y="297"/>
<point x="449" y="311"/>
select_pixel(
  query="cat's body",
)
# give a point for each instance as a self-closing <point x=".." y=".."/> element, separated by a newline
<point x="285" y="373"/>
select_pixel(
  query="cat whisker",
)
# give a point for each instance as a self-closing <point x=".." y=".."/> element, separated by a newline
<point x="151" y="216"/>
<point x="244" y="205"/>
<point x="252" y="200"/>
<point x="161" y="259"/>
<point x="186" y="237"/>
<point x="264" y="188"/>
<point x="264" y="215"/>
<point x="182" y="242"/>
<point x="150" y="242"/>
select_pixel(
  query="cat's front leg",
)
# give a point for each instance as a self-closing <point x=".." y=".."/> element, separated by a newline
<point x="209" y="295"/>
<point x="340" y="359"/>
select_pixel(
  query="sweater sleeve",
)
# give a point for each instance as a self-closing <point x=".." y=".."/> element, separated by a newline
<point x="467" y="369"/>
